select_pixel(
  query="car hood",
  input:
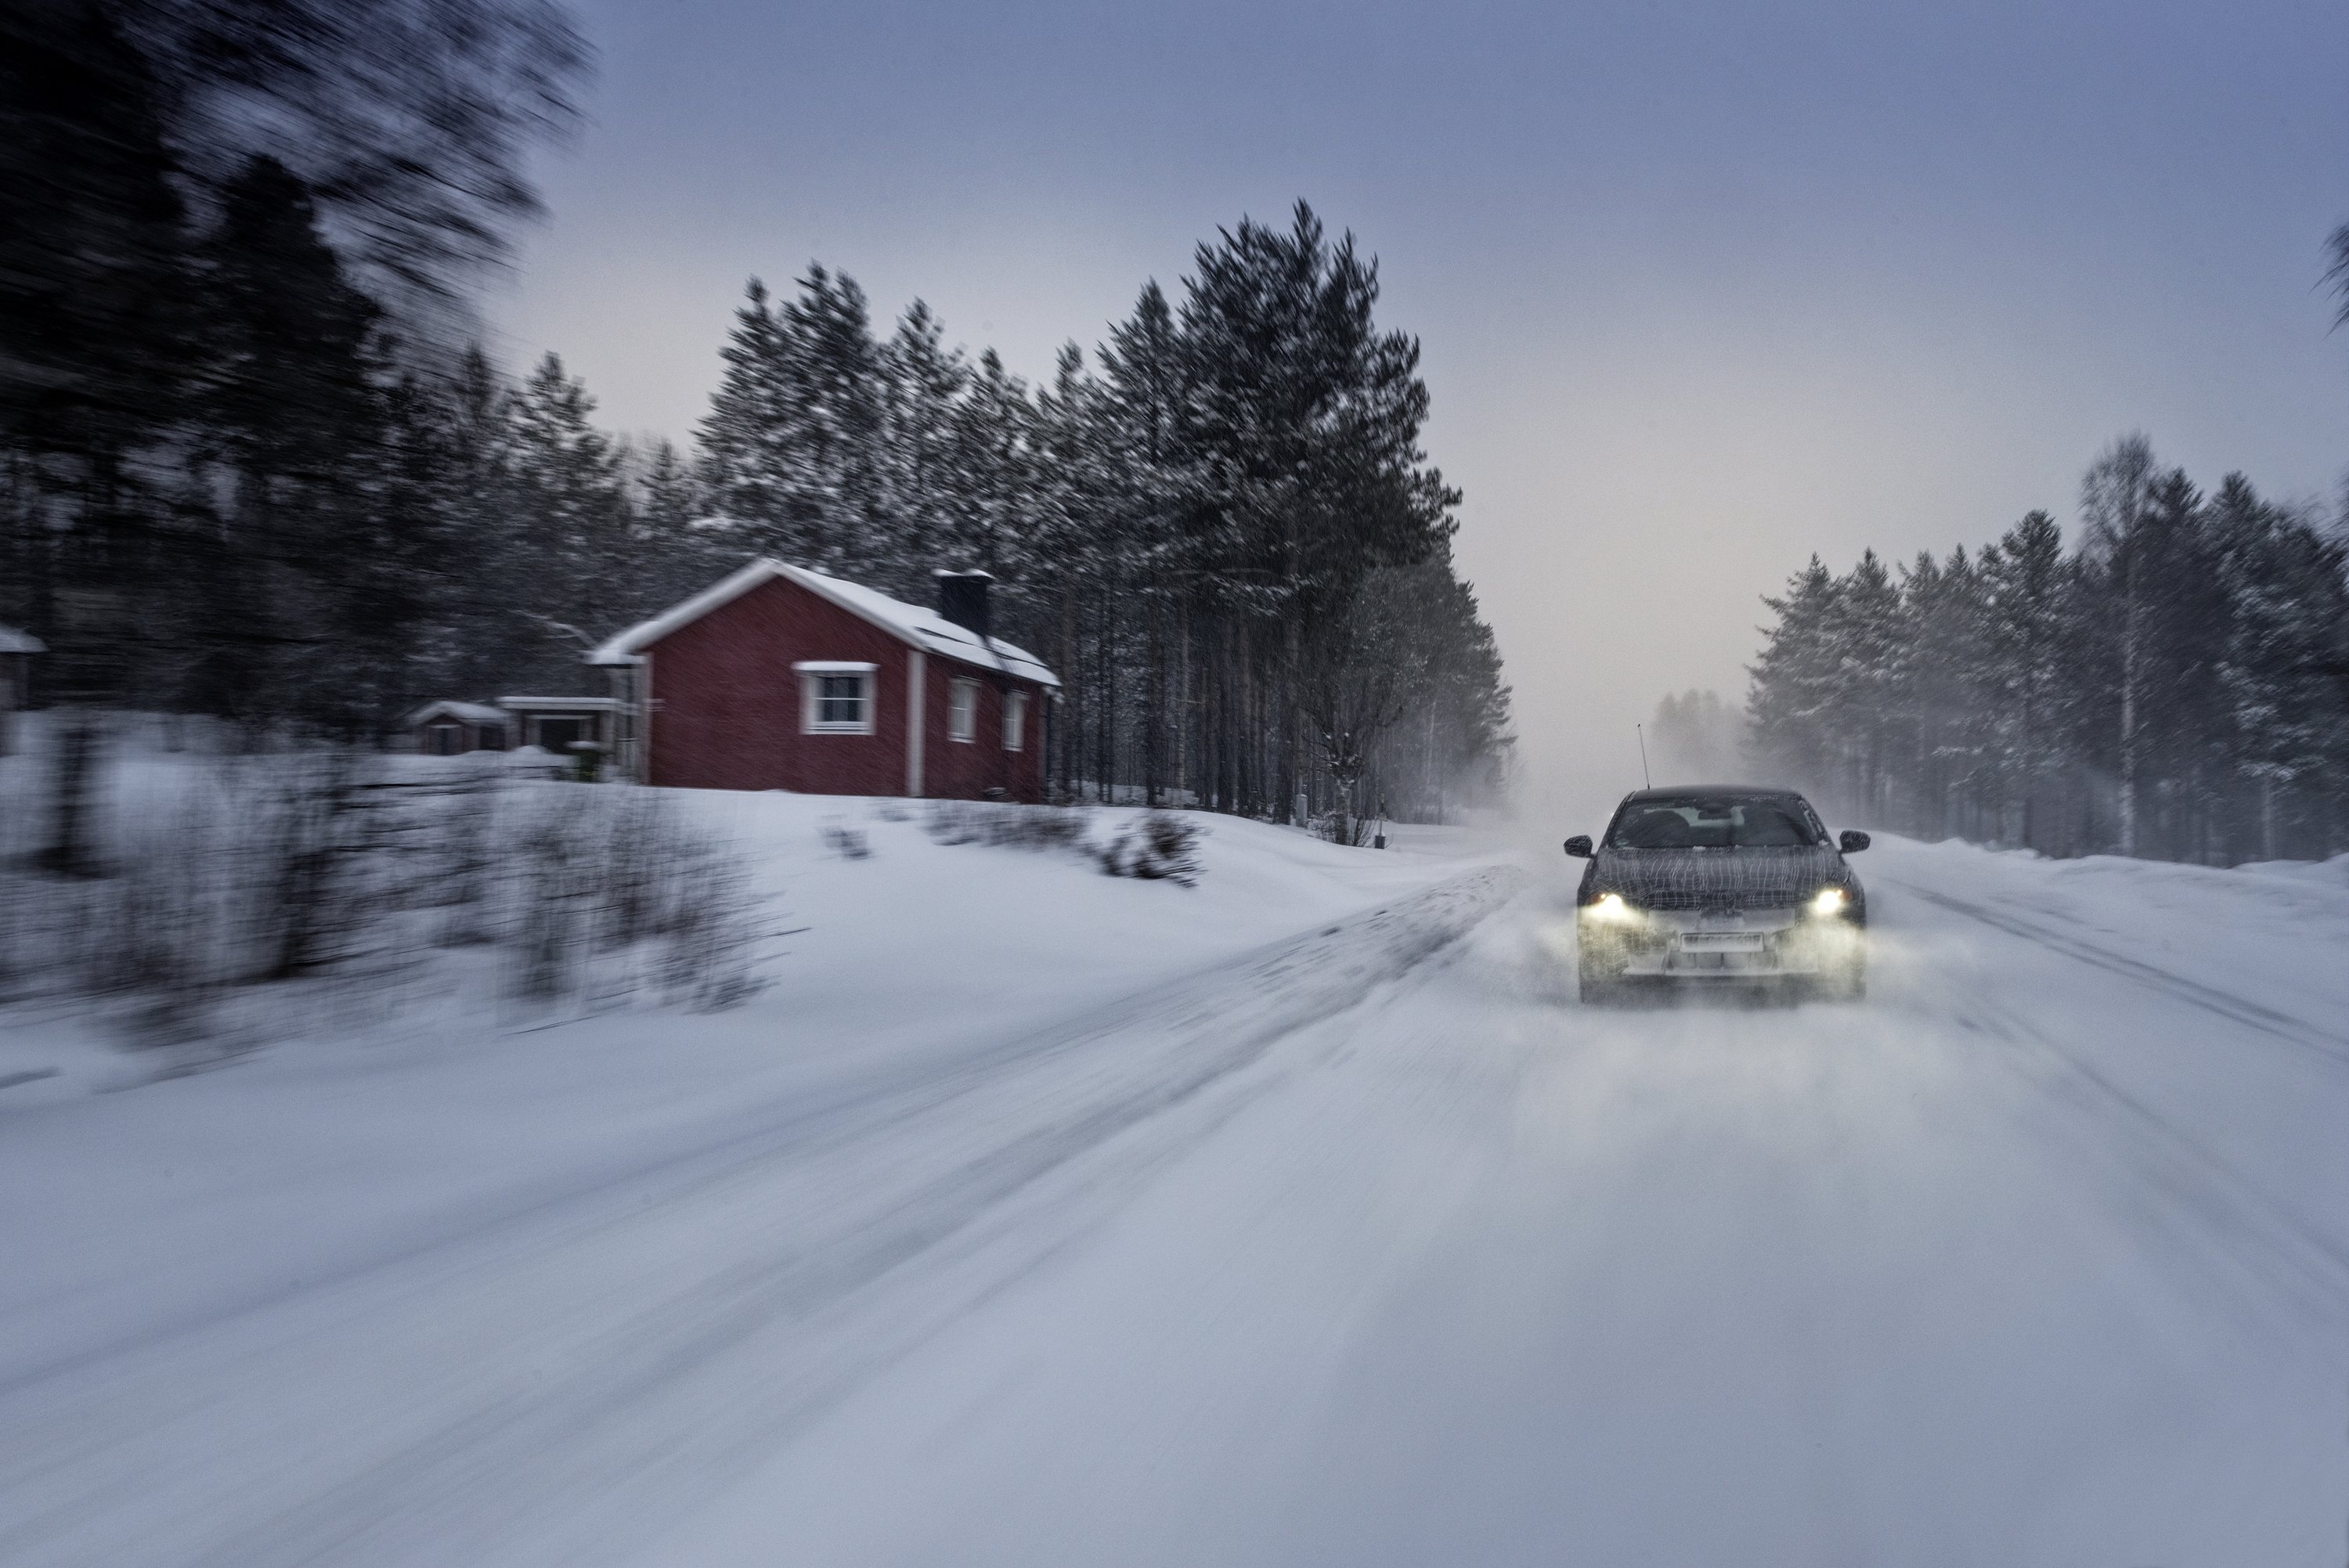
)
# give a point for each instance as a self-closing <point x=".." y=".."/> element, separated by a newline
<point x="1701" y="879"/>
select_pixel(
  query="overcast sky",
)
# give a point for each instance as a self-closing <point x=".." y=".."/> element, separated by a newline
<point x="1702" y="288"/>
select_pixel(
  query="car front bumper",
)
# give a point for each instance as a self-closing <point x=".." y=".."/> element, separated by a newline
<point x="1661" y="945"/>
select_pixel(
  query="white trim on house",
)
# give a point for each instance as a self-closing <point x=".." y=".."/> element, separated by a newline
<point x="624" y="648"/>
<point x="472" y="713"/>
<point x="962" y="710"/>
<point x="1014" y="721"/>
<point x="811" y="698"/>
<point x="924" y="629"/>
<point x="832" y="667"/>
<point x="559" y="704"/>
<point x="916" y="683"/>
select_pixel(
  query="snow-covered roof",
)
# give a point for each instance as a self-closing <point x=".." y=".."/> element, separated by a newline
<point x="13" y="641"/>
<point x="924" y="629"/>
<point x="470" y="712"/>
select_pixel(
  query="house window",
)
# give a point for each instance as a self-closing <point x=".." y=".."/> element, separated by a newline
<point x="962" y="710"/>
<point x="835" y="698"/>
<point x="840" y="701"/>
<point x="1015" y="720"/>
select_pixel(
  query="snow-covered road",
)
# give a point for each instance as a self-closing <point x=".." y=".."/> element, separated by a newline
<point x="1368" y="1247"/>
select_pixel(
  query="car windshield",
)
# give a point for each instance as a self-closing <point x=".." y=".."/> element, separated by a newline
<point x="1698" y="823"/>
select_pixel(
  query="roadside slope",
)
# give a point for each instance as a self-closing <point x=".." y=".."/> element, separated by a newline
<point x="371" y="1126"/>
<point x="544" y="1389"/>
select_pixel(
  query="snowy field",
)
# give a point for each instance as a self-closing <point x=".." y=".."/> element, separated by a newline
<point x="1035" y="1217"/>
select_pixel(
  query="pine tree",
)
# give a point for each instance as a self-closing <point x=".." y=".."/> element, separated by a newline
<point x="1792" y="707"/>
<point x="1952" y="773"/>
<point x="293" y="414"/>
<point x="994" y="433"/>
<point x="1146" y="382"/>
<point x="1868" y="636"/>
<point x="1305" y="419"/>
<point x="572" y="523"/>
<point x="95" y="323"/>
<point x="2115" y="499"/>
<point x="792" y="446"/>
<point x="925" y="384"/>
<point x="2027" y="595"/>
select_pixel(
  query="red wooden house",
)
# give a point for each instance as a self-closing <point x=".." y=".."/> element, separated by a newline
<point x="783" y="678"/>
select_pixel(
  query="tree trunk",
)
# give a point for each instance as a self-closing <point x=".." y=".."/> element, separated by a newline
<point x="70" y="851"/>
<point x="2129" y="761"/>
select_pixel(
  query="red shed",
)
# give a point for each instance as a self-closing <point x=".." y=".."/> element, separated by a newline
<point x="783" y="678"/>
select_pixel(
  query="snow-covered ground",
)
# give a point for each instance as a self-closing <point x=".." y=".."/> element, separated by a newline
<point x="1302" y="1217"/>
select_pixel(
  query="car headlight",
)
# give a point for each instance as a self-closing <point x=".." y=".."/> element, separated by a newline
<point x="1610" y="907"/>
<point x="1831" y="900"/>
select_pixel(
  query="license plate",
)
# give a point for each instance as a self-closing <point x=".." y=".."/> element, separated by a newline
<point x="1720" y="941"/>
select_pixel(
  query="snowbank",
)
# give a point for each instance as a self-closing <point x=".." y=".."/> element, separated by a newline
<point x="372" y="1120"/>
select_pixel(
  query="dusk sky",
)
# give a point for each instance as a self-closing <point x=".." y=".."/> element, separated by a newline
<point x="1702" y="289"/>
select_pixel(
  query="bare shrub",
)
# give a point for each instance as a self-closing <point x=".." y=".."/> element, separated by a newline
<point x="157" y="933"/>
<point x="548" y="883"/>
<point x="274" y="869"/>
<point x="849" y="843"/>
<point x="318" y="826"/>
<point x="608" y="890"/>
<point x="459" y="885"/>
<point x="1003" y="824"/>
<point x="707" y="947"/>
<point x="1159" y="846"/>
<point x="1342" y="827"/>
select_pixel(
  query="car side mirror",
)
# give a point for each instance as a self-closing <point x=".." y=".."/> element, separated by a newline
<point x="1852" y="841"/>
<point x="1579" y="846"/>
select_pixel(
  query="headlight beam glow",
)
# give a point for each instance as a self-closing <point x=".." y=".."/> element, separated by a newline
<point x="1610" y="907"/>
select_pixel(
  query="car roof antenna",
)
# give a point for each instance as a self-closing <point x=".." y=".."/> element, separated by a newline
<point x="1641" y="731"/>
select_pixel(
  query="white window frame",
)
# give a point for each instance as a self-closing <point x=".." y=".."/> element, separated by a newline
<point x="962" y="710"/>
<point x="813" y="672"/>
<point x="1014" y="721"/>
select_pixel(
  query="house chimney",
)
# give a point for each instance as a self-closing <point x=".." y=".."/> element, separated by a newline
<point x="962" y="599"/>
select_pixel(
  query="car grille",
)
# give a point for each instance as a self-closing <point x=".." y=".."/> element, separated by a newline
<point x="1743" y="898"/>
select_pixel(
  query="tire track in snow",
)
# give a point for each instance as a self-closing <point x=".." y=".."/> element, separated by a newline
<point x="564" y="1419"/>
<point x="2226" y="1004"/>
<point x="2236" y="1216"/>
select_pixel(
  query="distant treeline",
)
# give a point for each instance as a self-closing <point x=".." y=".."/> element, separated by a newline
<point x="2174" y="686"/>
<point x="249" y="469"/>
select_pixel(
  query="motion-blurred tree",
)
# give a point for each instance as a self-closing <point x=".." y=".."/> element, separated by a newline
<point x="183" y="185"/>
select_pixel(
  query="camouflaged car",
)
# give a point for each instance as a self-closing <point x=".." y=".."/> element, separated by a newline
<point x="1720" y="883"/>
